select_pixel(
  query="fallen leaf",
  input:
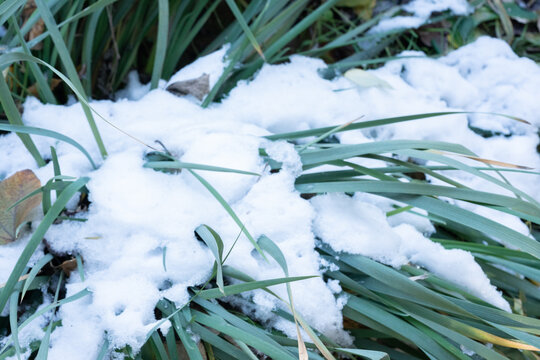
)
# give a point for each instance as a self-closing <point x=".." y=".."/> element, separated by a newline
<point x="35" y="91"/>
<point x="13" y="189"/>
<point x="37" y="30"/>
<point x="68" y="266"/>
<point x="365" y="79"/>
<point x="39" y="26"/>
<point x="198" y="87"/>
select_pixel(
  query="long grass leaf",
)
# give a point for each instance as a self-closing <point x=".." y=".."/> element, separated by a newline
<point x="14" y="117"/>
<point x="48" y="133"/>
<point x="215" y="244"/>
<point x="60" y="45"/>
<point x="371" y="123"/>
<point x="227" y="208"/>
<point x="242" y="22"/>
<point x="273" y="350"/>
<point x="161" y="43"/>
<point x="184" y="165"/>
<point x="33" y="273"/>
<point x="248" y="286"/>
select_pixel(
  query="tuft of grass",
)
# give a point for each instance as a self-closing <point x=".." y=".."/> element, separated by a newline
<point x="405" y="313"/>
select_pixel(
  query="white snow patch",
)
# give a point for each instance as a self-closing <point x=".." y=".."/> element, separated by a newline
<point x="350" y="225"/>
<point x="420" y="11"/>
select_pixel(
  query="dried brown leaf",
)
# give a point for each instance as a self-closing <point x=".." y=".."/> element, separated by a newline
<point x="13" y="189"/>
<point x="34" y="90"/>
<point x="68" y="266"/>
<point x="38" y="27"/>
<point x="198" y="87"/>
<point x="485" y="161"/>
<point x="35" y="31"/>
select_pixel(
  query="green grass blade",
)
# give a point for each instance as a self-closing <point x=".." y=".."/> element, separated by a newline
<point x="43" y="351"/>
<point x="342" y="152"/>
<point x="388" y="275"/>
<point x="298" y="28"/>
<point x="365" y="354"/>
<point x="8" y="8"/>
<point x="215" y="244"/>
<point x="272" y="349"/>
<point x="14" y="117"/>
<point x="248" y="286"/>
<point x="60" y="45"/>
<point x="184" y="165"/>
<point x="418" y="188"/>
<point x="161" y="43"/>
<point x="43" y="88"/>
<point x="370" y="123"/>
<point x="33" y="273"/>
<point x="217" y="342"/>
<point x="161" y="353"/>
<point x="499" y="232"/>
<point x="387" y="319"/>
<point x="45" y="309"/>
<point x="97" y="6"/>
<point x="88" y="48"/>
<point x="13" y="311"/>
<point x="44" y="346"/>
<point x="247" y="31"/>
<point x="48" y="133"/>
<point x="461" y="166"/>
<point x="227" y="208"/>
<point x="189" y="345"/>
<point x="170" y="340"/>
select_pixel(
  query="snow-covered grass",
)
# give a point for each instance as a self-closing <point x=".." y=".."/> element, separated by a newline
<point x="395" y="233"/>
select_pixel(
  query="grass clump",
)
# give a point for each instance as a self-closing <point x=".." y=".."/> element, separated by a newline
<point x="51" y="49"/>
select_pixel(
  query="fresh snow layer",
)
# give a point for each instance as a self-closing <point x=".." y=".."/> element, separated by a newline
<point x="420" y="11"/>
<point x="357" y="227"/>
<point x="140" y="218"/>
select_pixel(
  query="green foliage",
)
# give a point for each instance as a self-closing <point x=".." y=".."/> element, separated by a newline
<point x="405" y="313"/>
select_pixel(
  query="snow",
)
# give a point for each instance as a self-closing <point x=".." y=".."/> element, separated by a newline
<point x="420" y="11"/>
<point x="137" y="214"/>
<point x="348" y="224"/>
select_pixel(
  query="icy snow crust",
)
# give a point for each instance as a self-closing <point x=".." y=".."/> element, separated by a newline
<point x="137" y="213"/>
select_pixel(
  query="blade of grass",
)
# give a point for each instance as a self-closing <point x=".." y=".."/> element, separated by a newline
<point x="13" y="311"/>
<point x="248" y="286"/>
<point x="14" y="117"/>
<point x="48" y="133"/>
<point x="227" y="208"/>
<point x="70" y="68"/>
<point x="44" y="346"/>
<point x="373" y="123"/>
<point x="247" y="31"/>
<point x="215" y="244"/>
<point x="183" y="165"/>
<point x="269" y="246"/>
<point x="271" y="349"/>
<point x="161" y="43"/>
<point x="43" y="310"/>
<point x="43" y="88"/>
<point x="33" y="273"/>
